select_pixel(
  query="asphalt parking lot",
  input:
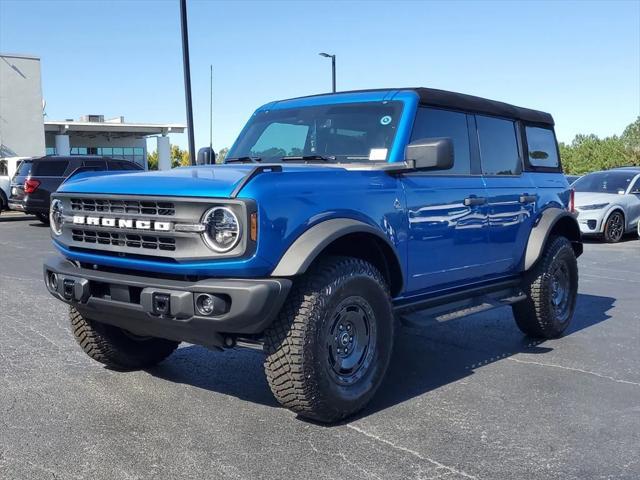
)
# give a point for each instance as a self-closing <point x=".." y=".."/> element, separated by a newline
<point x="470" y="398"/>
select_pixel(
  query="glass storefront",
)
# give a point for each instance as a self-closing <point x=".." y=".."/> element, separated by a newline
<point x="133" y="154"/>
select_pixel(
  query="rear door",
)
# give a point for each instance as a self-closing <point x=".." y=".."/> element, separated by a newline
<point x="446" y="210"/>
<point x="511" y="193"/>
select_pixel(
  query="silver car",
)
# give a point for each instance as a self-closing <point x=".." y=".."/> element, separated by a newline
<point x="608" y="203"/>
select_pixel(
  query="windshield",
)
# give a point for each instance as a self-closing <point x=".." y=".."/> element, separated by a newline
<point x="604" y="182"/>
<point x="341" y="133"/>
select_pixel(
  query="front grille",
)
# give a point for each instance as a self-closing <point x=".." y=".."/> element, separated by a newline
<point x="136" y="207"/>
<point x="151" y="242"/>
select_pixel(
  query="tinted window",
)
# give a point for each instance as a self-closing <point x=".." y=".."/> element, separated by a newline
<point x="121" y="165"/>
<point x="433" y="123"/>
<point x="542" y="147"/>
<point x="4" y="170"/>
<point x="24" y="169"/>
<point x="604" y="182"/>
<point x="94" y="163"/>
<point x="498" y="146"/>
<point x="49" y="168"/>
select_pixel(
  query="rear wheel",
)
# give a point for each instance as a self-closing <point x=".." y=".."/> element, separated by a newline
<point x="614" y="227"/>
<point x="331" y="344"/>
<point x="117" y="348"/>
<point x="551" y="288"/>
<point x="43" y="217"/>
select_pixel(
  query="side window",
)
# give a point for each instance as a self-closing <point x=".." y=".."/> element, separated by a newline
<point x="49" y="168"/>
<point x="542" y="147"/>
<point x="122" y="165"/>
<point x="498" y="146"/>
<point x="4" y="170"/>
<point x="433" y="123"/>
<point x="94" y="163"/>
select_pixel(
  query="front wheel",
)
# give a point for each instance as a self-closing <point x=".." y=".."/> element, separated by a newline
<point x="330" y="346"/>
<point x="116" y="348"/>
<point x="614" y="227"/>
<point x="551" y="288"/>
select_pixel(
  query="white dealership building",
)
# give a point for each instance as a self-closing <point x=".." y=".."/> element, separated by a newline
<point x="25" y="133"/>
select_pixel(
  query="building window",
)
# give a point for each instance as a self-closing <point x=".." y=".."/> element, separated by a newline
<point x="50" y="151"/>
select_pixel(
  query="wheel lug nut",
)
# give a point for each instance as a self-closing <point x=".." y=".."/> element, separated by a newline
<point x="340" y="327"/>
<point x="351" y="339"/>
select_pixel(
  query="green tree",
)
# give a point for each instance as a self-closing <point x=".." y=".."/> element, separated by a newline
<point x="588" y="153"/>
<point x="221" y="155"/>
<point x="179" y="158"/>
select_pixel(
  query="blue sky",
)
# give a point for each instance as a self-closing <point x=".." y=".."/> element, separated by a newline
<point x="578" y="60"/>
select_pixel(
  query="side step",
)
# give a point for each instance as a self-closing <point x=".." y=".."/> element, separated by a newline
<point x="451" y="307"/>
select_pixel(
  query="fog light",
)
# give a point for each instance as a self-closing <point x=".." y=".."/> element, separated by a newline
<point x="205" y="304"/>
<point x="53" y="281"/>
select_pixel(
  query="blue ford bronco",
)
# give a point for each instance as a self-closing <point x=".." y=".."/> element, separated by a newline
<point x="333" y="216"/>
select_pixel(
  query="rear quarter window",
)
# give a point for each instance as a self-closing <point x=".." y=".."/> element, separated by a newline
<point x="122" y="165"/>
<point x="542" y="150"/>
<point x="24" y="168"/>
<point x="49" y="168"/>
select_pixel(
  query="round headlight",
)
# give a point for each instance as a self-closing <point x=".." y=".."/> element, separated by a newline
<point x="56" y="217"/>
<point x="222" y="229"/>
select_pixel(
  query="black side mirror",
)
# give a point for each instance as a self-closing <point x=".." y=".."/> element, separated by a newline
<point x="206" y="156"/>
<point x="430" y="154"/>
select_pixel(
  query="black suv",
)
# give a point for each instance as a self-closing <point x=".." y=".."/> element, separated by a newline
<point x="37" y="178"/>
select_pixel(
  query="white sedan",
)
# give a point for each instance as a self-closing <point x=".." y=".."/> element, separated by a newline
<point x="608" y="203"/>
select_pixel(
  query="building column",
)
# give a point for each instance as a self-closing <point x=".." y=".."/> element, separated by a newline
<point x="164" y="153"/>
<point x="62" y="145"/>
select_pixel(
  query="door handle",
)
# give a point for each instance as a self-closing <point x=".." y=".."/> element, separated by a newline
<point x="528" y="198"/>
<point x="472" y="201"/>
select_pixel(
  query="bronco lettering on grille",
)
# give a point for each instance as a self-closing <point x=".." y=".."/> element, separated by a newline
<point x="122" y="223"/>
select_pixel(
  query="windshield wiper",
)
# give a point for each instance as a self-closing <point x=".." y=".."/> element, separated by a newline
<point x="308" y="158"/>
<point x="243" y="160"/>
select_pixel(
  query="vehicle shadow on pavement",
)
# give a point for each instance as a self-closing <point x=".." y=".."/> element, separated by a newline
<point x="430" y="357"/>
<point x="238" y="373"/>
<point x="424" y="358"/>
<point x="15" y="218"/>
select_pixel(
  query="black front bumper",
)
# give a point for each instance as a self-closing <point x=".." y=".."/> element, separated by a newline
<point x="163" y="308"/>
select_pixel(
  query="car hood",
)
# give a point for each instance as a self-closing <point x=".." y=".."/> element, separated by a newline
<point x="203" y="181"/>
<point x="594" y="198"/>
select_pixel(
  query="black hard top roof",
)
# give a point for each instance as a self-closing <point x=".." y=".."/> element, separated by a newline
<point x="461" y="101"/>
<point x="468" y="103"/>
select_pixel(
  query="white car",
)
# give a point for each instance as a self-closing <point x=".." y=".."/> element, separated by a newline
<point x="8" y="167"/>
<point x="608" y="203"/>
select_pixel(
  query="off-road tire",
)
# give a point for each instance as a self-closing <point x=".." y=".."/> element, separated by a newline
<point x="43" y="217"/>
<point x="614" y="227"/>
<point x="116" y="348"/>
<point x="537" y="316"/>
<point x="298" y="342"/>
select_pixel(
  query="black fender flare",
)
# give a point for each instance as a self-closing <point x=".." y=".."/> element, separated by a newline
<point x="306" y="248"/>
<point x="550" y="218"/>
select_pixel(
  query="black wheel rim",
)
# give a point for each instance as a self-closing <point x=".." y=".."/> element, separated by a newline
<point x="351" y="339"/>
<point x="561" y="292"/>
<point x="615" y="228"/>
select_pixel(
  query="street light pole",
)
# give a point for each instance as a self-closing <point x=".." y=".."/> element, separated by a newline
<point x="187" y="79"/>
<point x="333" y="69"/>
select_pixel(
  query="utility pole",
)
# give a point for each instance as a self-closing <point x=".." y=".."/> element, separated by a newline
<point x="187" y="80"/>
